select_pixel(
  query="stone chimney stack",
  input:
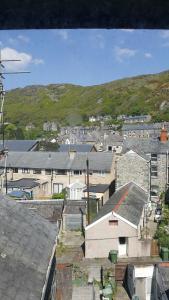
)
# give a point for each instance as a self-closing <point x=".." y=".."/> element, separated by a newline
<point x="163" y="135"/>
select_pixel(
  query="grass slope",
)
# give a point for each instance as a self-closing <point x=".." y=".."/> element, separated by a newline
<point x="71" y="104"/>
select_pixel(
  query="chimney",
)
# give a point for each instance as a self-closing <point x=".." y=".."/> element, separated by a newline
<point x="163" y="135"/>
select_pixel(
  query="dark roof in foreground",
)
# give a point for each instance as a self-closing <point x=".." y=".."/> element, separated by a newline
<point x="76" y="147"/>
<point x="23" y="183"/>
<point x="26" y="244"/>
<point x="48" y="209"/>
<point x="98" y="188"/>
<point x="19" y="145"/>
<point x="128" y="202"/>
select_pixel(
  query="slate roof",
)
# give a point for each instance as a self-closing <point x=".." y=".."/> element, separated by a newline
<point x="48" y="209"/>
<point x="57" y="160"/>
<point x="128" y="202"/>
<point x="142" y="126"/>
<point x="75" y="207"/>
<point x="18" y="145"/>
<point x="137" y="151"/>
<point x="98" y="188"/>
<point x="163" y="283"/>
<point x="98" y="161"/>
<point x="76" y="147"/>
<point x="26" y="245"/>
<point x="146" y="145"/>
<point x="23" y="183"/>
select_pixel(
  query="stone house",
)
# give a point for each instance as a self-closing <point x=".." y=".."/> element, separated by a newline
<point x="27" y="260"/>
<point x="151" y="130"/>
<point x="132" y="166"/>
<point x="56" y="170"/>
<point x="158" y="150"/>
<point x="119" y="225"/>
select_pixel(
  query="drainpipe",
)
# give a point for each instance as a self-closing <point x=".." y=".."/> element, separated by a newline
<point x="88" y="209"/>
<point x="166" y="171"/>
<point x="150" y="180"/>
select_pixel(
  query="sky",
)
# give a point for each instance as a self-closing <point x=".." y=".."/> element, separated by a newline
<point x="83" y="57"/>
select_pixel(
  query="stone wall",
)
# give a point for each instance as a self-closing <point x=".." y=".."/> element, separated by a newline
<point x="132" y="167"/>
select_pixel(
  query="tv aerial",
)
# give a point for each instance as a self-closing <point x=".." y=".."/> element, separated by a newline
<point x="2" y="91"/>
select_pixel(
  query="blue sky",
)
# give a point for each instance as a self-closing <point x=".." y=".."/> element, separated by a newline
<point x="83" y="57"/>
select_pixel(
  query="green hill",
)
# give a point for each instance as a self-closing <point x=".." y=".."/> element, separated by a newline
<point x="72" y="104"/>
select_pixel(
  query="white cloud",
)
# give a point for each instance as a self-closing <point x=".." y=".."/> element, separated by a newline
<point x="148" y="55"/>
<point x="124" y="53"/>
<point x="164" y="34"/>
<point x="25" y="59"/>
<point x="62" y="33"/>
<point x="38" y="61"/>
<point x="127" y="30"/>
<point x="23" y="38"/>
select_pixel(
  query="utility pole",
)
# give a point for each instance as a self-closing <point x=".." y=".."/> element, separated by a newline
<point x="88" y="197"/>
<point x="4" y="151"/>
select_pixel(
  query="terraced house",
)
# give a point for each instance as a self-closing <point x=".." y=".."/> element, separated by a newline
<point x="56" y="171"/>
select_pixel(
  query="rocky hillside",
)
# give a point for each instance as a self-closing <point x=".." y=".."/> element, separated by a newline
<point x="72" y="104"/>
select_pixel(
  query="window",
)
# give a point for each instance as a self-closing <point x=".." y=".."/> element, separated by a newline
<point x="15" y="170"/>
<point x="60" y="172"/>
<point x="109" y="148"/>
<point x="113" y="222"/>
<point x="37" y="171"/>
<point x="57" y="188"/>
<point x="153" y="157"/>
<point x="154" y="171"/>
<point x="77" y="172"/>
<point x="122" y="240"/>
<point x="47" y="171"/>
<point x="26" y="170"/>
<point x="154" y="190"/>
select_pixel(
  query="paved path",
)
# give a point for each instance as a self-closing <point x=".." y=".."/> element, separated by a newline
<point x="121" y="294"/>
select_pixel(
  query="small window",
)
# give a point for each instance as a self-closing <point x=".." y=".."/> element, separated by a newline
<point x="153" y="157"/>
<point x="47" y="171"/>
<point x="26" y="170"/>
<point x="37" y="171"/>
<point x="77" y="172"/>
<point x="60" y="172"/>
<point x="122" y="240"/>
<point x="15" y="170"/>
<point x="109" y="148"/>
<point x="154" y="171"/>
<point x="113" y="222"/>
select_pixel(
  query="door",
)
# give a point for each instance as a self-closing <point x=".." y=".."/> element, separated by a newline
<point x="122" y="246"/>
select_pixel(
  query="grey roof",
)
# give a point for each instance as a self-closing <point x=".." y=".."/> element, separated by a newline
<point x="98" y="188"/>
<point x="48" y="209"/>
<point x="75" y="207"/>
<point x="100" y="161"/>
<point x="164" y="278"/>
<point x="26" y="245"/>
<point x="57" y="160"/>
<point x="140" y="153"/>
<point x="76" y="147"/>
<point x="23" y="183"/>
<point x="19" y="145"/>
<point x="146" y="145"/>
<point x="128" y="202"/>
<point x="142" y="126"/>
